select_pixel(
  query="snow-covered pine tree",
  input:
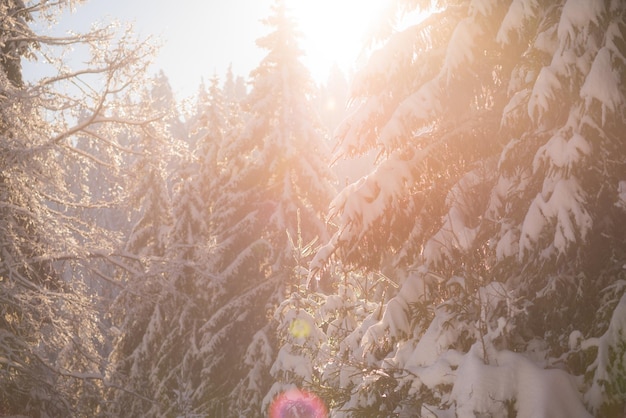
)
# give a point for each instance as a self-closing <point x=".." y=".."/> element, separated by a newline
<point x="156" y="312"/>
<point x="134" y="312"/>
<point x="275" y="185"/>
<point x="173" y="364"/>
<point x="149" y="197"/>
<point x="216" y="121"/>
<point x="156" y="358"/>
<point x="497" y="204"/>
<point x="301" y="347"/>
<point x="50" y="362"/>
<point x="163" y="101"/>
<point x="234" y="87"/>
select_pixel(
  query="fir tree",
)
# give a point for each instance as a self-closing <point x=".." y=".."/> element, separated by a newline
<point x="215" y="123"/>
<point x="495" y="205"/>
<point x="275" y="185"/>
<point x="150" y="196"/>
<point x="146" y="311"/>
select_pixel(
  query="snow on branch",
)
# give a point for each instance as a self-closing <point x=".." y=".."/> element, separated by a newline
<point x="603" y="84"/>
<point x="611" y="354"/>
<point x="461" y="47"/>
<point x="520" y="11"/>
<point x="560" y="204"/>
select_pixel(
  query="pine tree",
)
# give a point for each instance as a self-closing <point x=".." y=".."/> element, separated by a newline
<point x="216" y="121"/>
<point x="163" y="101"/>
<point x="156" y="358"/>
<point x="276" y="185"/>
<point x="496" y="205"/>
<point x="274" y="159"/>
<point x="156" y="310"/>
<point x="135" y="313"/>
<point x="234" y="87"/>
<point x="151" y="196"/>
<point x="172" y="343"/>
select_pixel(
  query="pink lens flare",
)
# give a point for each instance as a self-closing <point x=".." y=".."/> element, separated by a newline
<point x="296" y="403"/>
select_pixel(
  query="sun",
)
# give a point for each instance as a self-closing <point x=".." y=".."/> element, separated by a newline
<point x="334" y="32"/>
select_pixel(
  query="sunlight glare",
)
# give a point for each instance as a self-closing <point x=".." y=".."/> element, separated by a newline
<point x="334" y="32"/>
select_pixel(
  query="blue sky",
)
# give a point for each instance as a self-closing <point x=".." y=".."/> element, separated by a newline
<point x="203" y="37"/>
<point x="199" y="38"/>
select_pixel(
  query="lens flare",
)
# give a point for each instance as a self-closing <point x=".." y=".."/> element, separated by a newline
<point x="300" y="328"/>
<point x="297" y="404"/>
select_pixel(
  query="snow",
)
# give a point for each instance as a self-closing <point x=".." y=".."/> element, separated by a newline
<point x="565" y="206"/>
<point x="482" y="388"/>
<point x="602" y="84"/>
<point x="322" y="257"/>
<point x="395" y="322"/>
<point x="611" y="353"/>
<point x="436" y="340"/>
<point x="562" y="152"/>
<point x="491" y="295"/>
<point x="613" y="37"/>
<point x="547" y="41"/>
<point x="286" y="361"/>
<point x="513" y="108"/>
<point x="440" y="372"/>
<point x="543" y="93"/>
<point x="507" y="245"/>
<point x="396" y="318"/>
<point x="461" y="47"/>
<point x="454" y="233"/>
<point x="576" y="16"/>
<point x="519" y="12"/>
<point x="483" y="7"/>
<point x="621" y="191"/>
<point x="412" y="113"/>
<point x="354" y="140"/>
<point x="575" y="338"/>
<point x="360" y="204"/>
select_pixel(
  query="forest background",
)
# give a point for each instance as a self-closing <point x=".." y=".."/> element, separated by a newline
<point x="460" y="252"/>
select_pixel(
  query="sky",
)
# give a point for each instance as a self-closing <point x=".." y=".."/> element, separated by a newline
<point x="201" y="38"/>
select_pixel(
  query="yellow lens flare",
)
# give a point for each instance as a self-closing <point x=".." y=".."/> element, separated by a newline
<point x="300" y="328"/>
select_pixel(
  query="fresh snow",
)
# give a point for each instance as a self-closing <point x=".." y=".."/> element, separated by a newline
<point x="461" y="47"/>
<point x="563" y="205"/>
<point x="454" y="233"/>
<point x="483" y="389"/>
<point x="563" y="150"/>
<point x="547" y="41"/>
<point x="611" y="348"/>
<point x="576" y="17"/>
<point x="413" y="111"/>
<point x="507" y="244"/>
<point x="602" y="84"/>
<point x="621" y="192"/>
<point x="519" y="12"/>
<point x="543" y="93"/>
<point x="483" y="7"/>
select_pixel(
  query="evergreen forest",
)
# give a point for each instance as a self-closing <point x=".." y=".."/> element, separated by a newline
<point x="448" y="241"/>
